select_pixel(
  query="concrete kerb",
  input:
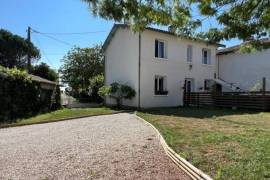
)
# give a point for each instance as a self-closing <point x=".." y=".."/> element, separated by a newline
<point x="183" y="164"/>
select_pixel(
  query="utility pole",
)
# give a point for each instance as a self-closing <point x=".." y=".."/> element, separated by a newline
<point x="28" y="54"/>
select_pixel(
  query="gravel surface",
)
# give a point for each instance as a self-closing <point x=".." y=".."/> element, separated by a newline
<point x="103" y="147"/>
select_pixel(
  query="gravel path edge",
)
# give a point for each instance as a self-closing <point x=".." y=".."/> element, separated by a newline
<point x="181" y="163"/>
<point x="61" y="119"/>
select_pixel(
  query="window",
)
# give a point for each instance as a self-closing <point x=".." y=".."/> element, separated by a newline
<point x="160" y="85"/>
<point x="189" y="53"/>
<point x="206" y="56"/>
<point x="208" y="84"/>
<point x="160" y="49"/>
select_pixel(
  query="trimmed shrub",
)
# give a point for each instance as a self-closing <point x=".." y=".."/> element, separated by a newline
<point x="21" y="97"/>
<point x="118" y="92"/>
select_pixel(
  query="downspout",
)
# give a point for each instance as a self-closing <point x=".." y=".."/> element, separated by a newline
<point x="139" y="73"/>
<point x="104" y="71"/>
<point x="217" y="66"/>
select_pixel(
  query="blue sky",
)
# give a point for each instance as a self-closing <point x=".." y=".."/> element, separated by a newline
<point x="56" y="16"/>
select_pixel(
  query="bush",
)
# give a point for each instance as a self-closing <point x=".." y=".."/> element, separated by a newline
<point x="21" y="97"/>
<point x="55" y="99"/>
<point x="95" y="84"/>
<point x="118" y="92"/>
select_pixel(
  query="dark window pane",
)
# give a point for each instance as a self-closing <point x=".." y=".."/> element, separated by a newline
<point x="156" y="48"/>
<point x="205" y="54"/>
<point x="156" y="82"/>
<point x="161" y="84"/>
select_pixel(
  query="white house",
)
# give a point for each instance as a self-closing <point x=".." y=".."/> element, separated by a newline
<point x="244" y="70"/>
<point x="157" y="63"/>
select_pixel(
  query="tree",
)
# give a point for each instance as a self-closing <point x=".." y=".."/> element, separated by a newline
<point x="80" y="65"/>
<point x="14" y="50"/>
<point x="118" y="92"/>
<point x="44" y="71"/>
<point x="241" y="19"/>
<point x="95" y="84"/>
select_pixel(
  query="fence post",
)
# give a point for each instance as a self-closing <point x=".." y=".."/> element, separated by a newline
<point x="198" y="100"/>
<point x="263" y="92"/>
<point x="234" y="101"/>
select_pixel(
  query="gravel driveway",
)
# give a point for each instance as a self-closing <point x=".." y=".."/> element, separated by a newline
<point x="104" y="147"/>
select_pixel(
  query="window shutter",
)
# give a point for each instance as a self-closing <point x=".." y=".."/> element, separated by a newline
<point x="189" y="53"/>
<point x="162" y="49"/>
<point x="209" y="56"/>
<point x="161" y="87"/>
<point x="203" y="56"/>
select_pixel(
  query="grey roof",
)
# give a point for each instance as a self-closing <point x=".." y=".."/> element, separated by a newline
<point x="41" y="80"/>
<point x="116" y="26"/>
<point x="237" y="47"/>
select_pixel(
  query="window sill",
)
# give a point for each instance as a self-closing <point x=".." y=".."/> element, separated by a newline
<point x="161" y="95"/>
<point x="161" y="59"/>
<point x="208" y="65"/>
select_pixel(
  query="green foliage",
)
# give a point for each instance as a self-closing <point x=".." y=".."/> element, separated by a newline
<point x="96" y="83"/>
<point x="104" y="91"/>
<point x="118" y="92"/>
<point x="18" y="94"/>
<point x="44" y="71"/>
<point x="21" y="97"/>
<point x="80" y="65"/>
<point x="14" y="50"/>
<point x="233" y="18"/>
<point x="55" y="99"/>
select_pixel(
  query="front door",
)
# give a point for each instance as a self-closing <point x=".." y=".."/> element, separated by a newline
<point x="189" y="85"/>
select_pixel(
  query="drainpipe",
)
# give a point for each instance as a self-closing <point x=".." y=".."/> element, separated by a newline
<point x="217" y="67"/>
<point x="139" y="73"/>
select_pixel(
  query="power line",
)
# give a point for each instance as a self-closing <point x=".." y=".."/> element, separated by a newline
<point x="43" y="52"/>
<point x="74" y="33"/>
<point x="56" y="39"/>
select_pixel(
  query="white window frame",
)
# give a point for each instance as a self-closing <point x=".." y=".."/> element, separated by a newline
<point x="189" y="53"/>
<point x="208" y="58"/>
<point x="159" y="54"/>
<point x="164" y="84"/>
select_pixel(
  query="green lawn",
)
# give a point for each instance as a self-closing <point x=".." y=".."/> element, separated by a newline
<point x="225" y="144"/>
<point x="61" y="115"/>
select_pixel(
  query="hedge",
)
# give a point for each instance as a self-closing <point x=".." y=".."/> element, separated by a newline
<point x="21" y="97"/>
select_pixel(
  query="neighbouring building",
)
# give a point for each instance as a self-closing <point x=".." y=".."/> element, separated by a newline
<point x="157" y="64"/>
<point x="244" y="70"/>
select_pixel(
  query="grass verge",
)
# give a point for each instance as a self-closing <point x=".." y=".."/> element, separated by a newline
<point x="60" y="115"/>
<point x="225" y="144"/>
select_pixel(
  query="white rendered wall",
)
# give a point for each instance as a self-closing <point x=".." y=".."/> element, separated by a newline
<point x="121" y="62"/>
<point x="175" y="68"/>
<point x="245" y="70"/>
